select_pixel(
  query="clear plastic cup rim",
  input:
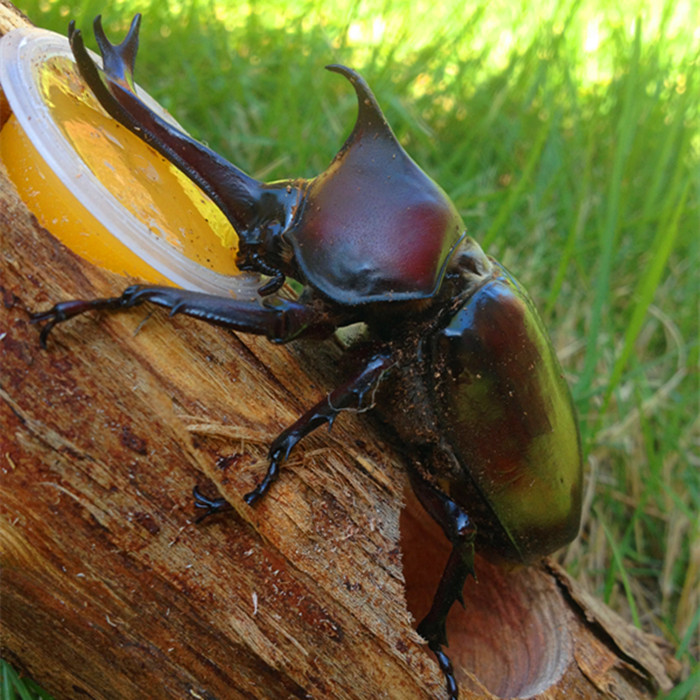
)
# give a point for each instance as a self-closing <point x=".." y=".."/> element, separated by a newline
<point x="22" y="52"/>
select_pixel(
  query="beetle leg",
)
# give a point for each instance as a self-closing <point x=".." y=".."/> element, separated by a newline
<point x="461" y="532"/>
<point x="211" y="505"/>
<point x="278" y="319"/>
<point x="357" y="394"/>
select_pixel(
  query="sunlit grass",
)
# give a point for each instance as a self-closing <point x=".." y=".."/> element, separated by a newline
<point x="568" y="134"/>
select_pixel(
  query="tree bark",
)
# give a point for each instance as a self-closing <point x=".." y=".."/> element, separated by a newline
<point x="109" y="589"/>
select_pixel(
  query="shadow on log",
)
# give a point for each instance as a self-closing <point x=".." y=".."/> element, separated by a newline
<point x="109" y="588"/>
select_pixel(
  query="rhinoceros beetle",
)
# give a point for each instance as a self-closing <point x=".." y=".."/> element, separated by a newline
<point x="456" y="359"/>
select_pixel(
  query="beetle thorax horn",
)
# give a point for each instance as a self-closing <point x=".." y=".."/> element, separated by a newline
<point x="374" y="226"/>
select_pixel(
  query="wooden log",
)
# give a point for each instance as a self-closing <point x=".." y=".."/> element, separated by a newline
<point x="110" y="590"/>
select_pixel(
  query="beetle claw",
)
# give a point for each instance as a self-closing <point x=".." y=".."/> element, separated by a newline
<point x="49" y="320"/>
<point x="56" y="314"/>
<point x="212" y="505"/>
<point x="272" y="473"/>
<point x="448" y="673"/>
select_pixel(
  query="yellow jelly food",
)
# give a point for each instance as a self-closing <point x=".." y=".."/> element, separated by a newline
<point x="153" y="190"/>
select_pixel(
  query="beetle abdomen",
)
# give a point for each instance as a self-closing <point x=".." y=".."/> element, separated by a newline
<point x="508" y="414"/>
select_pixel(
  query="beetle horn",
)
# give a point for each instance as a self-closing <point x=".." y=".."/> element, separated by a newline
<point x="374" y="226"/>
<point x="239" y="196"/>
<point x="370" y="118"/>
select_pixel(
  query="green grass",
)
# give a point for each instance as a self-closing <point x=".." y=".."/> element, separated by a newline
<point x="568" y="135"/>
<point x="12" y="687"/>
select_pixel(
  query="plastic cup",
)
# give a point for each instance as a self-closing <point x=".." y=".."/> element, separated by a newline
<point x="97" y="187"/>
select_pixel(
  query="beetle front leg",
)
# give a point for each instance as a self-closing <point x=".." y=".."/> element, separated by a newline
<point x="278" y="319"/>
<point x="357" y="394"/>
<point x="461" y="532"/>
<point x="68" y="309"/>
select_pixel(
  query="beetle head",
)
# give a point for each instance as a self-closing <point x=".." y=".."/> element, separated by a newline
<point x="373" y="226"/>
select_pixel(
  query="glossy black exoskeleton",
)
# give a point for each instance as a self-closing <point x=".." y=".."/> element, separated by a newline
<point x="491" y="438"/>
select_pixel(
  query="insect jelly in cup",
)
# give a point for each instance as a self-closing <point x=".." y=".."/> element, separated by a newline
<point x="98" y="188"/>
